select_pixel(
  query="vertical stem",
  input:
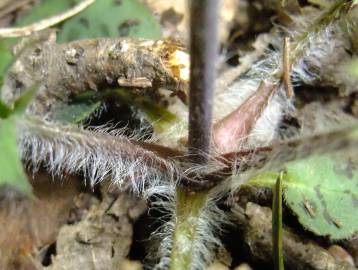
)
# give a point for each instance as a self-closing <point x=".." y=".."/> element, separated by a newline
<point x="277" y="224"/>
<point x="203" y="54"/>
<point x="189" y="206"/>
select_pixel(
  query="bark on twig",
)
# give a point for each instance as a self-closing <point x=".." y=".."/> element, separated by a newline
<point x="93" y="65"/>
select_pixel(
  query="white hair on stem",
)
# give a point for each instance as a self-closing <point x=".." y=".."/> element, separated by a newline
<point x="313" y="47"/>
<point x="323" y="53"/>
<point x="264" y="132"/>
<point x="98" y="154"/>
<point x="205" y="224"/>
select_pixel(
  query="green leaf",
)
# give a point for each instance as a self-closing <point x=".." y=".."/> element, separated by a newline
<point x="323" y="192"/>
<point x="24" y="100"/>
<point x="5" y="58"/>
<point x="5" y="111"/>
<point x="158" y="116"/>
<point x="45" y="9"/>
<point x="76" y="112"/>
<point x="104" y="18"/>
<point x="111" y="18"/>
<point x="12" y="173"/>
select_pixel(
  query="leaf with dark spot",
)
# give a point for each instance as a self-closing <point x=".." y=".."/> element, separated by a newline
<point x="331" y="191"/>
<point x="324" y="199"/>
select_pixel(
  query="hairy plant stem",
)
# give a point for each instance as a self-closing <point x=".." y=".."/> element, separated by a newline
<point x="303" y="42"/>
<point x="203" y="52"/>
<point x="188" y="209"/>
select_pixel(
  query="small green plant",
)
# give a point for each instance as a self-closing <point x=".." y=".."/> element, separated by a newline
<point x="318" y="184"/>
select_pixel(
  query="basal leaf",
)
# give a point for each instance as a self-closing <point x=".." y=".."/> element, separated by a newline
<point x="323" y="192"/>
<point x="11" y="170"/>
<point x="266" y="179"/>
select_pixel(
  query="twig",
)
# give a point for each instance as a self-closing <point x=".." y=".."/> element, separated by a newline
<point x="287" y="67"/>
<point x="45" y="23"/>
<point x="203" y="52"/>
<point x="78" y="66"/>
<point x="6" y="9"/>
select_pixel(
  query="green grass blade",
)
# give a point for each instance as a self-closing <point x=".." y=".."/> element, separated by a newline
<point x="277" y="225"/>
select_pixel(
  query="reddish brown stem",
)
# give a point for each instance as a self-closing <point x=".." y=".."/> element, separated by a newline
<point x="203" y="54"/>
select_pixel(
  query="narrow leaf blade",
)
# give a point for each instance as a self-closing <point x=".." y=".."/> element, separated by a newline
<point x="277" y="224"/>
